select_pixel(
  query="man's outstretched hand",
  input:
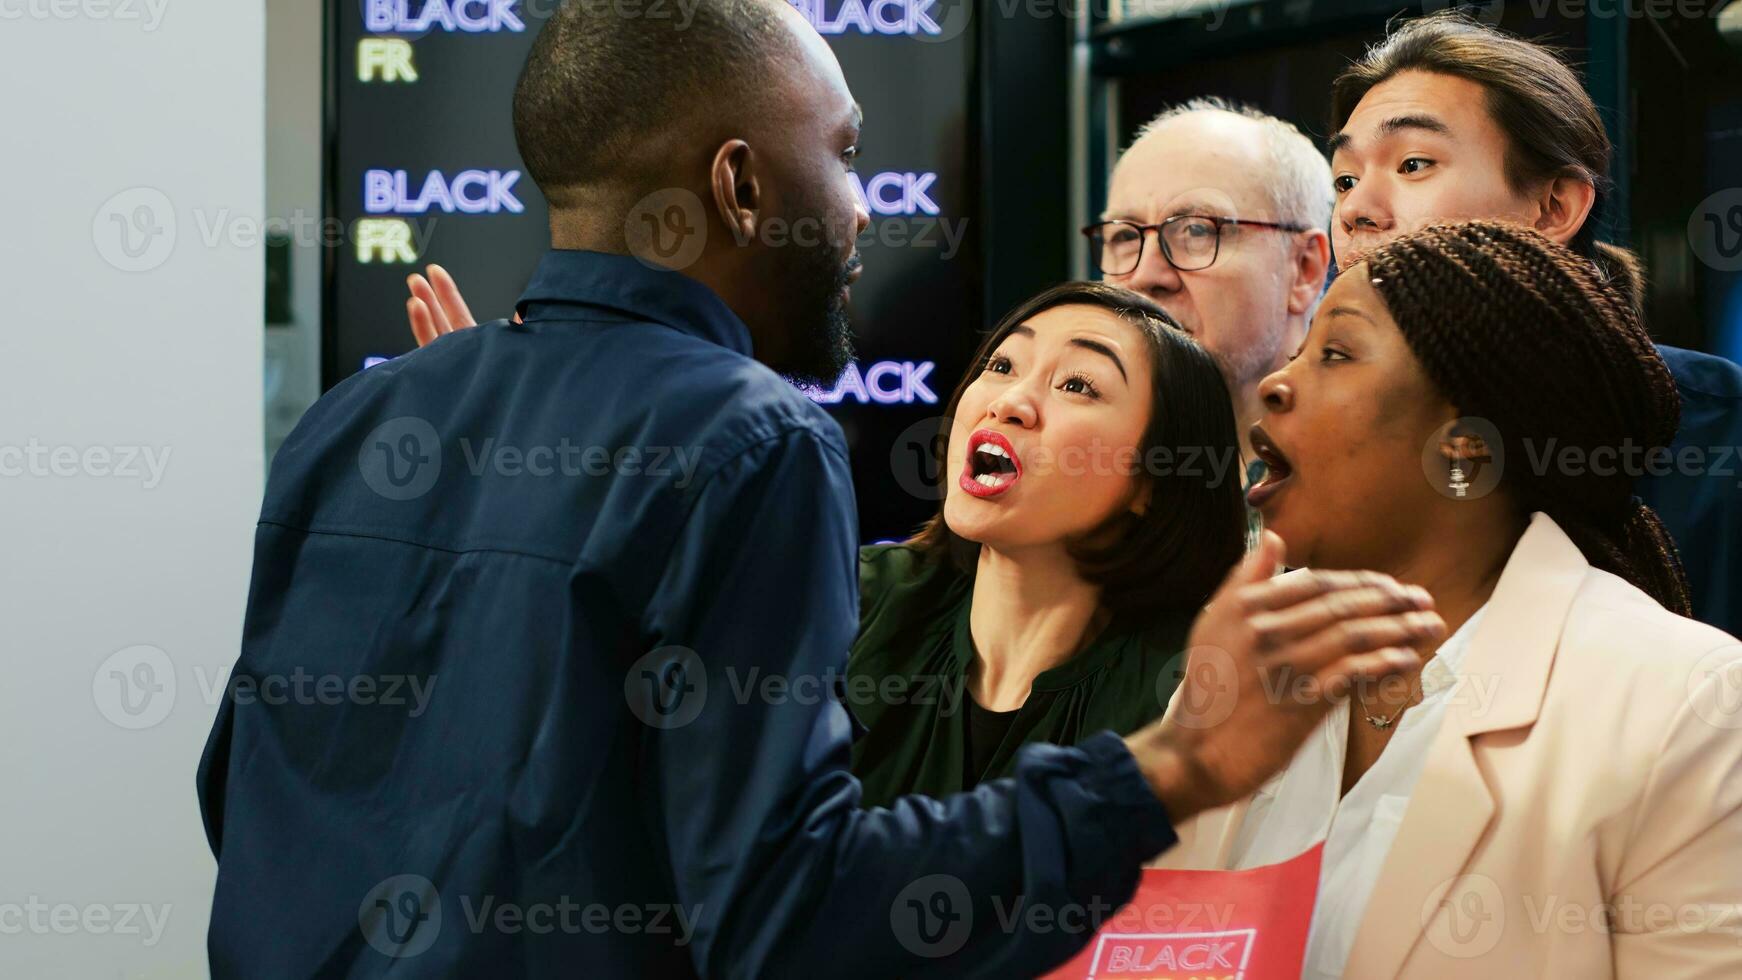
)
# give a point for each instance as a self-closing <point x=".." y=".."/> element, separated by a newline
<point x="436" y="306"/>
<point x="1268" y="658"/>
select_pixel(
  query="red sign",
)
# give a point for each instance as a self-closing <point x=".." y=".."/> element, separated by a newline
<point x="1207" y="925"/>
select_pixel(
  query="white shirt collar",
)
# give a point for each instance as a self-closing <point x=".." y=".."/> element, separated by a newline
<point x="1447" y="663"/>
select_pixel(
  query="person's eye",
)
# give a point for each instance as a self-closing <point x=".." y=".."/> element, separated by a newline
<point x="1199" y="228"/>
<point x="1414" y="165"/>
<point x="1329" y="355"/>
<point x="1343" y="183"/>
<point x="851" y="156"/>
<point x="1079" y="384"/>
<point x="998" y="364"/>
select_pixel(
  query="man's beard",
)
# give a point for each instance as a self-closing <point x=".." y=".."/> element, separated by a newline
<point x="1251" y="363"/>
<point x="821" y="339"/>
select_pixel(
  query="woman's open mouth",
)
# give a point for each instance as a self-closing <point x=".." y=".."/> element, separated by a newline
<point x="993" y="466"/>
<point x="1277" y="469"/>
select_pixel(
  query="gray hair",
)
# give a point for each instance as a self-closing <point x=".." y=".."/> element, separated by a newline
<point x="1300" y="191"/>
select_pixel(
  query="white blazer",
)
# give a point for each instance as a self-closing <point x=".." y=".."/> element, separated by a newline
<point x="1584" y="822"/>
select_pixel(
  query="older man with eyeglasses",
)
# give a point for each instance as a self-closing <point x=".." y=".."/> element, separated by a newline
<point x="1220" y="213"/>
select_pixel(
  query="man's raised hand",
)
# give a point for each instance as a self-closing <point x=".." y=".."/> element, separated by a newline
<point x="1269" y="657"/>
<point x="436" y="306"/>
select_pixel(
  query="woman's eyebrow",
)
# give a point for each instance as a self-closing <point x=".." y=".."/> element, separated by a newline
<point x="1100" y="348"/>
<point x="1337" y="311"/>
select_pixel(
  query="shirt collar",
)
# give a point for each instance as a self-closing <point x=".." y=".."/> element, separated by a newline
<point x="625" y="284"/>
<point x="1447" y="664"/>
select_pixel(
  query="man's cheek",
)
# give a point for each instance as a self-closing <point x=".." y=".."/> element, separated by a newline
<point x="1417" y="211"/>
<point x="1341" y="247"/>
<point x="1180" y="306"/>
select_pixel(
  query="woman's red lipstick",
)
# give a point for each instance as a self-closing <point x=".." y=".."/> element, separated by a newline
<point x="992" y="466"/>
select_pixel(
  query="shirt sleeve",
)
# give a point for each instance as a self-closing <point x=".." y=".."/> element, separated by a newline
<point x="746" y="762"/>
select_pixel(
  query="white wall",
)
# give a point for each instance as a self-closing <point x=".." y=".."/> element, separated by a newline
<point x="293" y="195"/>
<point x="141" y="574"/>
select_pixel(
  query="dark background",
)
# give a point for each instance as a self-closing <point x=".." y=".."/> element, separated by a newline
<point x="455" y="117"/>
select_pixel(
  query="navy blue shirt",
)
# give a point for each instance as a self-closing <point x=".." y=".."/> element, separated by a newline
<point x="1697" y="492"/>
<point x="535" y="681"/>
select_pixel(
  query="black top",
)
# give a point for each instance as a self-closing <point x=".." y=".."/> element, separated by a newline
<point x="987" y="730"/>
<point x="908" y="682"/>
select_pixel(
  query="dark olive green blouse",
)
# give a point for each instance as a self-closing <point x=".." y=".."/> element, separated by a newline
<point x="907" y="681"/>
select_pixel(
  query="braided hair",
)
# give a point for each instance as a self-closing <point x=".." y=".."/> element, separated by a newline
<point x="1524" y="333"/>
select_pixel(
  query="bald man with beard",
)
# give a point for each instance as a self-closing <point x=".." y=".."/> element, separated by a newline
<point x="535" y="669"/>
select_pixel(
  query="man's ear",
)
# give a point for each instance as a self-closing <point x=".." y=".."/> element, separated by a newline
<point x="1562" y="207"/>
<point x="737" y="191"/>
<point x="1311" y="263"/>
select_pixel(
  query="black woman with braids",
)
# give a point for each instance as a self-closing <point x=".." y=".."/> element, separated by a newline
<point x="1451" y="419"/>
<point x="1447" y="119"/>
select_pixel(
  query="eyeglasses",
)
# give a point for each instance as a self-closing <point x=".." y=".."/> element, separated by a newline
<point x="1189" y="242"/>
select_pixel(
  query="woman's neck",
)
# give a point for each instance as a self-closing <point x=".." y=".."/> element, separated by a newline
<point x="1030" y="611"/>
<point x="1458" y="559"/>
<point x="1459" y="562"/>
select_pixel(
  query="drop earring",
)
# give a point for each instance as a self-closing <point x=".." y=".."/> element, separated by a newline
<point x="1460" y="486"/>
